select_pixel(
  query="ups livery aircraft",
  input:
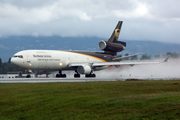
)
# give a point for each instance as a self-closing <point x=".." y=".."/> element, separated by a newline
<point x="82" y="62"/>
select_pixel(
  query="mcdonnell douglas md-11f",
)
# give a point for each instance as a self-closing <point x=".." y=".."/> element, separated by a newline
<point x="82" y="62"/>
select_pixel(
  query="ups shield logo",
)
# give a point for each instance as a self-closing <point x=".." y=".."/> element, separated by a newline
<point x="117" y="33"/>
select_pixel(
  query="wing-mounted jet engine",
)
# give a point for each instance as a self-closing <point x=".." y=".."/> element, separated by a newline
<point x="112" y="46"/>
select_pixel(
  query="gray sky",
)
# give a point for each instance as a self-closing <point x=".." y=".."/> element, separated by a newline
<point x="157" y="20"/>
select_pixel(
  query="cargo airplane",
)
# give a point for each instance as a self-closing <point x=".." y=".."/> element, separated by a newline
<point x="82" y="62"/>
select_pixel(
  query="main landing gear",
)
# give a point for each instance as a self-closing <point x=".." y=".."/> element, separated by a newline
<point x="60" y="75"/>
<point x="90" y="75"/>
<point x="77" y="75"/>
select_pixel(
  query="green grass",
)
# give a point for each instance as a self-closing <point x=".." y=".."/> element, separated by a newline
<point x="91" y="100"/>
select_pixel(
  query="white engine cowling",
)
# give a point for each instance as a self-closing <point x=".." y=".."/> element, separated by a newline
<point x="84" y="69"/>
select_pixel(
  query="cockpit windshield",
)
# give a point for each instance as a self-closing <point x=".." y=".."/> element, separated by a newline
<point x="19" y="56"/>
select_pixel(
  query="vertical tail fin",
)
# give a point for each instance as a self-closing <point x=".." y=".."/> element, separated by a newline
<point x="115" y="35"/>
<point x="112" y="46"/>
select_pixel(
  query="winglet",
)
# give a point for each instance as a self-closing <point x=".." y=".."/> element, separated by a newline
<point x="166" y="59"/>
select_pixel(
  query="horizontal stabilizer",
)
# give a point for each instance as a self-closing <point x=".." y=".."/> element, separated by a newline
<point x="119" y="58"/>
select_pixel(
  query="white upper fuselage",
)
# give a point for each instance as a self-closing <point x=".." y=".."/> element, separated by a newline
<point x="50" y="59"/>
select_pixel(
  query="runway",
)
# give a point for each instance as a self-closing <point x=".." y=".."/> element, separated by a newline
<point x="46" y="80"/>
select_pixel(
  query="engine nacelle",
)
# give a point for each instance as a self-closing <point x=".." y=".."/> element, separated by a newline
<point x="84" y="69"/>
<point x="109" y="46"/>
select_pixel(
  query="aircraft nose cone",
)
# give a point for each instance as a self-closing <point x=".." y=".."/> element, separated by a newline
<point x="13" y="61"/>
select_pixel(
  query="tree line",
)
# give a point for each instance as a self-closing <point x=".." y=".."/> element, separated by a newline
<point x="8" y="67"/>
<point x="148" y="57"/>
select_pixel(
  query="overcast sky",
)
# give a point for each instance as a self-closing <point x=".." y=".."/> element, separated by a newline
<point x="157" y="20"/>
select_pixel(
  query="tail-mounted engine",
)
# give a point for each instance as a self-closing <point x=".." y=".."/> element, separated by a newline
<point x="112" y="46"/>
<point x="116" y="46"/>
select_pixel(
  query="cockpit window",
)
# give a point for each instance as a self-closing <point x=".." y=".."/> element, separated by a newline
<point x="19" y="56"/>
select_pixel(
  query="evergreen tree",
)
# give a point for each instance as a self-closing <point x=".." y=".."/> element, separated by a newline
<point x="145" y="57"/>
<point x="9" y="61"/>
<point x="126" y="58"/>
<point x="8" y="67"/>
<point x="157" y="56"/>
<point x="134" y="58"/>
<point x="0" y="62"/>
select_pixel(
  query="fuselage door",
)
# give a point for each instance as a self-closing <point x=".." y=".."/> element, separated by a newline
<point x="28" y="60"/>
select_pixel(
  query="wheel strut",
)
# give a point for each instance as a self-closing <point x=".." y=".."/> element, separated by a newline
<point x="76" y="75"/>
<point x="60" y="75"/>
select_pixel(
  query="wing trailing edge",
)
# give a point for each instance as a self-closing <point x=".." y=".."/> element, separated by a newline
<point x="98" y="64"/>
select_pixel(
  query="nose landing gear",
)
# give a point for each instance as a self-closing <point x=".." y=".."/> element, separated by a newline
<point x="28" y="76"/>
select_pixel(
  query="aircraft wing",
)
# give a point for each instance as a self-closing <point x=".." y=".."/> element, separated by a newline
<point x="123" y="63"/>
<point x="115" y="63"/>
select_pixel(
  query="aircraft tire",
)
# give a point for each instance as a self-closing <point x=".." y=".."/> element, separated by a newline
<point x="90" y="75"/>
<point x="60" y="75"/>
<point x="64" y="75"/>
<point x="87" y="75"/>
<point x="77" y="75"/>
<point x="93" y="75"/>
<point x="28" y="76"/>
<point x="57" y="75"/>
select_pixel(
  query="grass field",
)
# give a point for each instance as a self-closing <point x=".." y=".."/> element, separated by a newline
<point x="91" y="100"/>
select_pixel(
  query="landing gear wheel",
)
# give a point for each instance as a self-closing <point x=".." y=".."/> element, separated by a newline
<point x="28" y="76"/>
<point x="77" y="75"/>
<point x="60" y="75"/>
<point x="64" y="75"/>
<point x="90" y="75"/>
<point x="93" y="75"/>
<point x="87" y="75"/>
<point x="57" y="75"/>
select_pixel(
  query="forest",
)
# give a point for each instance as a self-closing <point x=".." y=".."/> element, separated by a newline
<point x="8" y="67"/>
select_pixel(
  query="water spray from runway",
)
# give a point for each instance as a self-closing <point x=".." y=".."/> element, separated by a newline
<point x="169" y="70"/>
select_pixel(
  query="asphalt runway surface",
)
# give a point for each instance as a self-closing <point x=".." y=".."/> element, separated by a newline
<point x="48" y="80"/>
